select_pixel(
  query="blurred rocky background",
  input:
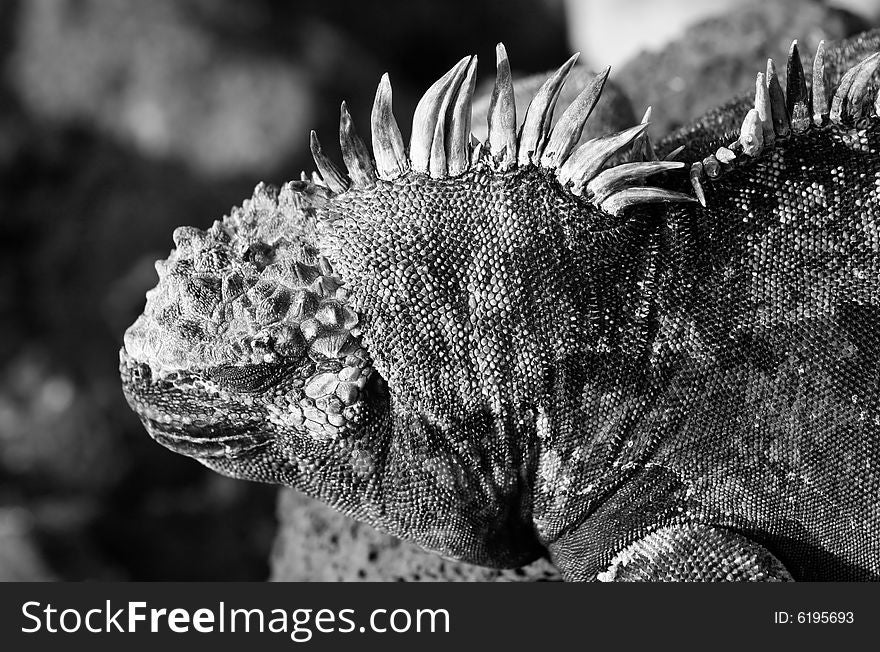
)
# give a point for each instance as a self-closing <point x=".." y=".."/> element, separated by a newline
<point x="120" y="120"/>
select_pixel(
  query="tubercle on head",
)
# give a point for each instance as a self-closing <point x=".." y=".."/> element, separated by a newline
<point x="779" y="115"/>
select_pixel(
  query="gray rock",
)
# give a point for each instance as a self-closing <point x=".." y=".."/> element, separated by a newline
<point x="316" y="543"/>
<point x="20" y="559"/>
<point x="718" y="58"/>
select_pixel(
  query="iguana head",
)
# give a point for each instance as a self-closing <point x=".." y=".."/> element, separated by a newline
<point x="390" y="340"/>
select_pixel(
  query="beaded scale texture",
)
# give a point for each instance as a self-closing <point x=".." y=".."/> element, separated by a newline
<point x="649" y="361"/>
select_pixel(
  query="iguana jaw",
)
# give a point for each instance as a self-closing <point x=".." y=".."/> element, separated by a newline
<point x="187" y="422"/>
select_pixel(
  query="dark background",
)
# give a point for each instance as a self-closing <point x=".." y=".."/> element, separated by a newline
<point x="120" y="120"/>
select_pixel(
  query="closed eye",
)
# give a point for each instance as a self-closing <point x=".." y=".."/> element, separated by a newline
<point x="249" y="378"/>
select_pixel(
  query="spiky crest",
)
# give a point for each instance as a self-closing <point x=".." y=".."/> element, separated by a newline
<point x="442" y="145"/>
<point x="778" y="115"/>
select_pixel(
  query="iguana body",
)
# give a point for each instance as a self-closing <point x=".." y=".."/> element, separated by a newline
<point x="500" y="349"/>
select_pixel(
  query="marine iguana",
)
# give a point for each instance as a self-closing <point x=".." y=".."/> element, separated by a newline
<point x="647" y="361"/>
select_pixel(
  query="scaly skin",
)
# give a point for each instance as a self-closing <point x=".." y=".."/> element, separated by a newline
<point x="506" y="369"/>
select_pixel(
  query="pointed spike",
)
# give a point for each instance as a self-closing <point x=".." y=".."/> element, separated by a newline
<point x="425" y="118"/>
<point x="858" y="92"/>
<point x="329" y="172"/>
<point x="303" y="176"/>
<point x="696" y="177"/>
<point x="388" y="146"/>
<point x="355" y="154"/>
<point x="437" y="163"/>
<point x="317" y="180"/>
<point x="502" y="113"/>
<point x="725" y="156"/>
<point x="838" y="102"/>
<point x="642" y="147"/>
<point x="765" y="112"/>
<point x="751" y="137"/>
<point x="642" y="195"/>
<point x="567" y="132"/>
<point x="587" y="159"/>
<point x="459" y="136"/>
<point x="781" y="124"/>
<point x="671" y="156"/>
<point x="796" y="91"/>
<point x="819" y="92"/>
<point x="536" y="124"/>
<point x="476" y="149"/>
<point x="620" y="176"/>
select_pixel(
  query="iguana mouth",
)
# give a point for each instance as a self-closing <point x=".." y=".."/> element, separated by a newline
<point x="193" y="422"/>
<point x="205" y="445"/>
<point x="202" y="445"/>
